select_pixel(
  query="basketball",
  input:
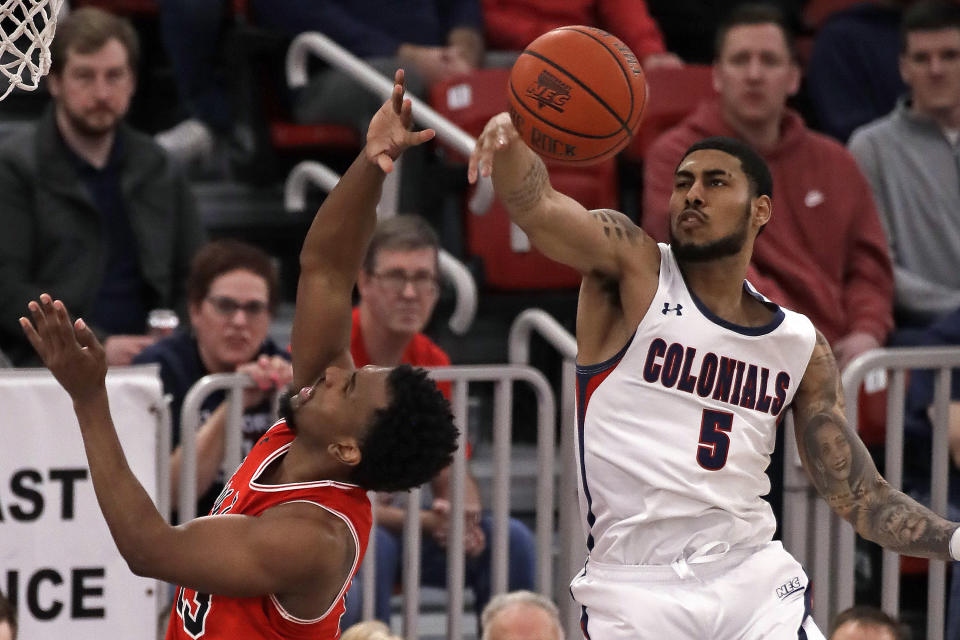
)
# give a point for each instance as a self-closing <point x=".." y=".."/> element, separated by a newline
<point x="577" y="95"/>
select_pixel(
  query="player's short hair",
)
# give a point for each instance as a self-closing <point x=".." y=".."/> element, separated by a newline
<point x="400" y="233"/>
<point x="8" y="614"/>
<point x="753" y="14"/>
<point x="871" y="616"/>
<point x="929" y="15"/>
<point x="754" y="166"/>
<point x="504" y="600"/>
<point x="409" y="440"/>
<point x="88" y="29"/>
<point x="223" y="256"/>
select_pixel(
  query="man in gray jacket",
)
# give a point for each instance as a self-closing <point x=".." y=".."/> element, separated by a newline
<point x="92" y="210"/>
<point x="910" y="158"/>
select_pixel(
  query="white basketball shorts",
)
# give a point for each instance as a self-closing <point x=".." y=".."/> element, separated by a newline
<point x="755" y="594"/>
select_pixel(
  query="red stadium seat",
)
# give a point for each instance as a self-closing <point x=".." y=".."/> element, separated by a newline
<point x="469" y="101"/>
<point x="674" y="93"/>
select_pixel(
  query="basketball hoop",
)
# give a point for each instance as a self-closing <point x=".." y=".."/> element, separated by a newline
<point x="26" y="30"/>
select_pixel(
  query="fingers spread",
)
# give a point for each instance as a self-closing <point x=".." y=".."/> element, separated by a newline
<point x="31" y="334"/>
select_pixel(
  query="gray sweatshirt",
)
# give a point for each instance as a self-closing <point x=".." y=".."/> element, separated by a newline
<point x="913" y="170"/>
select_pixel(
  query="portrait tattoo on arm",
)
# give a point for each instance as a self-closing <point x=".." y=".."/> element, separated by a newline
<point x="530" y="190"/>
<point x="843" y="472"/>
<point x="617" y="226"/>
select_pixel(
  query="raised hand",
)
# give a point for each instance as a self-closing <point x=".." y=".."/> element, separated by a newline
<point x="68" y="349"/>
<point x="389" y="133"/>
<point x="269" y="373"/>
<point x="498" y="134"/>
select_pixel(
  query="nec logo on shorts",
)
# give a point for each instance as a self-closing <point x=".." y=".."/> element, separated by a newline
<point x="549" y="91"/>
<point x="787" y="588"/>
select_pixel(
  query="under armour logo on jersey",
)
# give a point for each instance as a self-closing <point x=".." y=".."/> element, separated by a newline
<point x="677" y="309"/>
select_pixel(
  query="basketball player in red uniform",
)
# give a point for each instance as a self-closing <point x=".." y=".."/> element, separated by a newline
<point x="277" y="553"/>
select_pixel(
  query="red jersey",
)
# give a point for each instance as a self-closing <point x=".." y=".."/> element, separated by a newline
<point x="213" y="617"/>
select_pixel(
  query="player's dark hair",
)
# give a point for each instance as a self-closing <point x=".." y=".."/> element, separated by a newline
<point x="929" y="15"/>
<point x="410" y="439"/>
<point x="754" y="14"/>
<point x="758" y="173"/>
<point x="223" y="256"/>
<point x="87" y="30"/>
<point x="870" y="616"/>
<point x="400" y="233"/>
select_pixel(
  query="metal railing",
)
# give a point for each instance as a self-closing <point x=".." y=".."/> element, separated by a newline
<point x="821" y="540"/>
<point x="452" y="270"/>
<point x="572" y="545"/>
<point x="315" y="43"/>
<point x="503" y="377"/>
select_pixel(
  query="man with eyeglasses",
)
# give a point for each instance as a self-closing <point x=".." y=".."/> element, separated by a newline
<point x="231" y="292"/>
<point x="399" y="288"/>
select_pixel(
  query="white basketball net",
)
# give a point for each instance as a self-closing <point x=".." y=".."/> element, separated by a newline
<point x="26" y="30"/>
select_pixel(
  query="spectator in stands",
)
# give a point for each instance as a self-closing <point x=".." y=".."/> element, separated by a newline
<point x="431" y="40"/>
<point x="824" y="254"/>
<point x="866" y="623"/>
<point x="192" y="35"/>
<point x="910" y="159"/>
<point x="232" y="294"/>
<point x="369" y="630"/>
<point x="521" y="615"/>
<point x="398" y="290"/>
<point x="852" y="76"/>
<point x="689" y="26"/>
<point x="512" y="24"/>
<point x="93" y="211"/>
<point x="8" y="620"/>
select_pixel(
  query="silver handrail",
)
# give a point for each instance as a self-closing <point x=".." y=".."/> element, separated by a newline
<point x="320" y="45"/>
<point x="834" y="540"/>
<point x="452" y="270"/>
<point x="234" y="383"/>
<point x="313" y="42"/>
<point x="573" y="548"/>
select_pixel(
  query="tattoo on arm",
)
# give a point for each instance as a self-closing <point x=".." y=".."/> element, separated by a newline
<point x="531" y="188"/>
<point x="617" y="226"/>
<point x="843" y="472"/>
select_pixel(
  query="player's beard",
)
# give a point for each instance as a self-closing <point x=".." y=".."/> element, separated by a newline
<point x="728" y="245"/>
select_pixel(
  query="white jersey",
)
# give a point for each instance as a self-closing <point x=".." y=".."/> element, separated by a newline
<point x="676" y="430"/>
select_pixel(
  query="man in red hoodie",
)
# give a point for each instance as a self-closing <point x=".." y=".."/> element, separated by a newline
<point x="824" y="253"/>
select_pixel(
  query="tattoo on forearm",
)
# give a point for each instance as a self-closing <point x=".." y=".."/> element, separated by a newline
<point x="531" y="188"/>
<point x="844" y="473"/>
<point x="616" y="225"/>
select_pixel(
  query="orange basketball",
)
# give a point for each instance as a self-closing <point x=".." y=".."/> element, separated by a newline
<point x="577" y="95"/>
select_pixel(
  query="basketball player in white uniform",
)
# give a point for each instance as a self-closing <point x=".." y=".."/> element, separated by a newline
<point x="683" y="373"/>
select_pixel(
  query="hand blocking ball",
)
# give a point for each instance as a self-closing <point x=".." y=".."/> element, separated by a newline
<point x="577" y="95"/>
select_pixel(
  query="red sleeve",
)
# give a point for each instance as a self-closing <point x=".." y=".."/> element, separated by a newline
<point x="630" y="21"/>
<point x="869" y="276"/>
<point x="659" y="164"/>
<point x="511" y="25"/>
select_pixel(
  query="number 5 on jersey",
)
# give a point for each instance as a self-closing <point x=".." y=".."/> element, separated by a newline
<point x="714" y="441"/>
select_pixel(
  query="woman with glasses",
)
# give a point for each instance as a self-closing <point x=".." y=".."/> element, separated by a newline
<point x="232" y="291"/>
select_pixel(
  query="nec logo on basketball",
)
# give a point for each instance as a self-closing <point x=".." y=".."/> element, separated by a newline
<point x="549" y="91"/>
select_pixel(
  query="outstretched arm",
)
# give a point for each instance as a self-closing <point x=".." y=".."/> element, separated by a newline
<point x="284" y="550"/>
<point x="335" y="245"/>
<point x="841" y="469"/>
<point x="592" y="242"/>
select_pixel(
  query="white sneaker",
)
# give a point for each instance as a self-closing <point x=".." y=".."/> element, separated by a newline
<point x="188" y="141"/>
